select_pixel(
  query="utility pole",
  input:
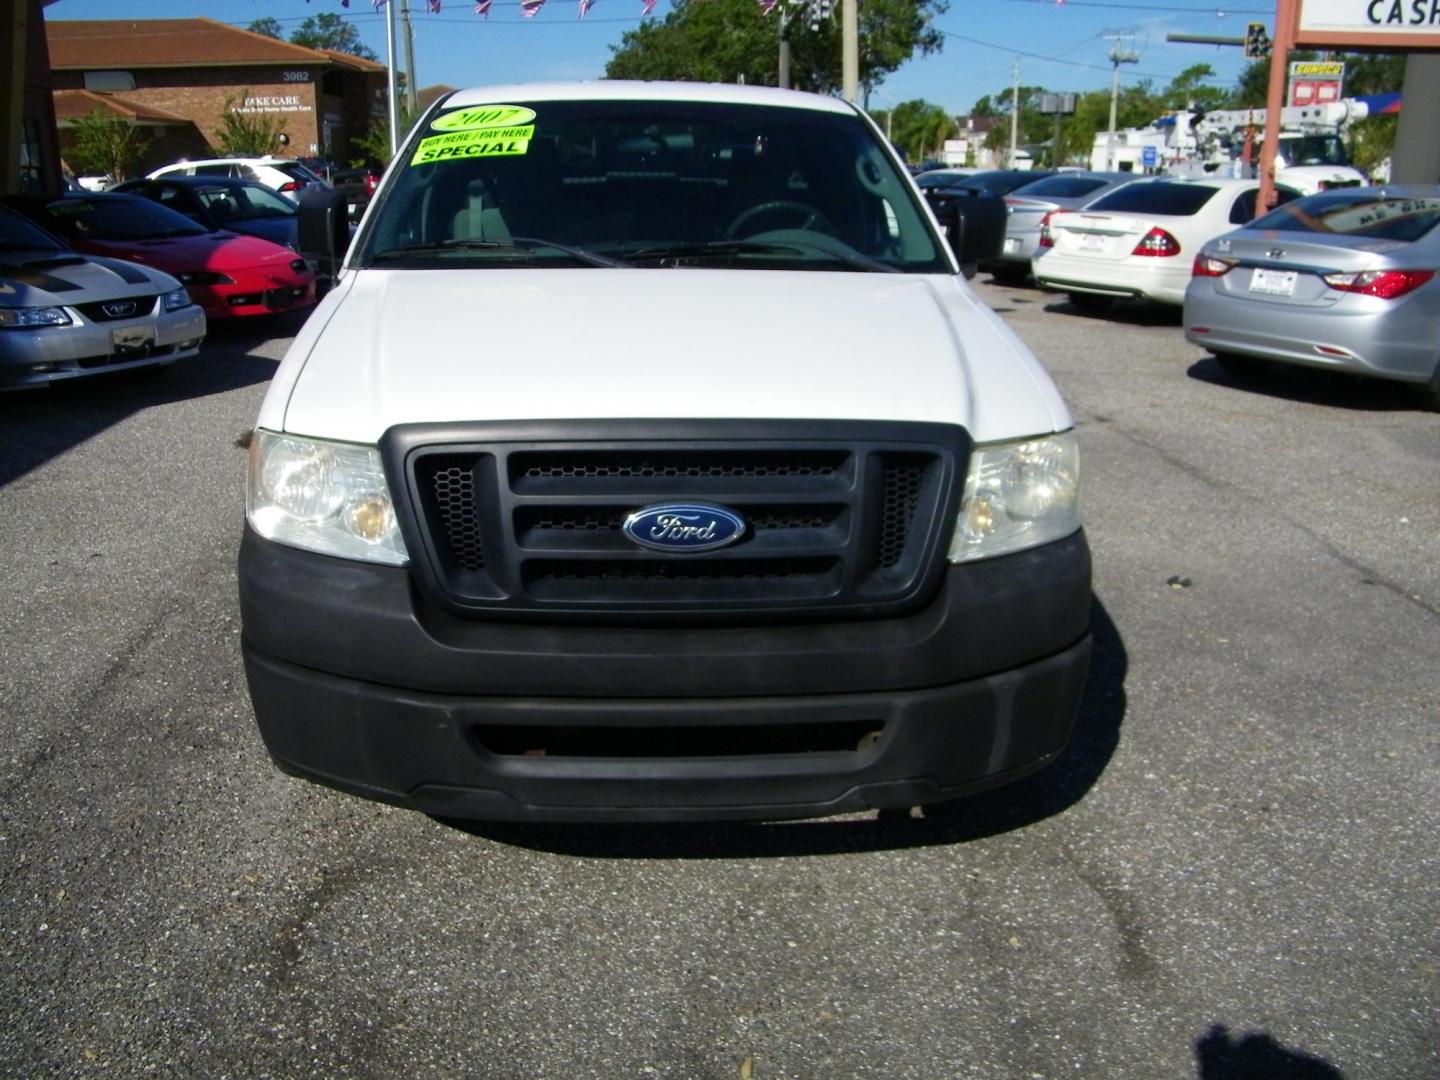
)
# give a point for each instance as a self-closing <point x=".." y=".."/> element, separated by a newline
<point x="391" y="88"/>
<point x="850" y="53"/>
<point x="1014" y="111"/>
<point x="412" y="100"/>
<point x="784" y="80"/>
<point x="1118" y="56"/>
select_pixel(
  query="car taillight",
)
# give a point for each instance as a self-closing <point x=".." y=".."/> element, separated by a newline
<point x="290" y="186"/>
<point x="1046" y="239"/>
<point x="1157" y="242"/>
<point x="1209" y="266"/>
<point x="371" y="183"/>
<point x="1386" y="284"/>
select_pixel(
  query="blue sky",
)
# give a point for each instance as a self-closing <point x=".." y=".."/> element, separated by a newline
<point x="1059" y="46"/>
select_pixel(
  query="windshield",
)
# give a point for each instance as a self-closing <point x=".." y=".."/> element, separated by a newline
<point x="1356" y="213"/>
<point x="1313" y="150"/>
<point x="1001" y="181"/>
<point x="1064" y="186"/>
<point x="17" y="234"/>
<point x="242" y="202"/>
<point x="650" y="183"/>
<point x="117" y="217"/>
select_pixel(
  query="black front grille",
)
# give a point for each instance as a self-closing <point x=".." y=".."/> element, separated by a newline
<point x="850" y="518"/>
<point x="125" y="307"/>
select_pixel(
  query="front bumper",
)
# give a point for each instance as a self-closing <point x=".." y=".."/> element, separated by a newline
<point x="52" y="354"/>
<point x="255" y="297"/>
<point x="357" y="685"/>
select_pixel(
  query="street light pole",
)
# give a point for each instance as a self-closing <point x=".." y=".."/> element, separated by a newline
<point x="391" y="87"/>
<point x="850" y="52"/>
<point x="1118" y="56"/>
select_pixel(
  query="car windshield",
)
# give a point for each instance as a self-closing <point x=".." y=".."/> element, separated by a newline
<point x="647" y="183"/>
<point x="940" y="178"/>
<point x="1001" y="182"/>
<point x="1061" y="187"/>
<point x="1313" y="150"/>
<point x="1167" y="199"/>
<point x="243" y="202"/>
<point x="1357" y="213"/>
<point x="17" y="234"/>
<point x="117" y="217"/>
<point x="296" y="171"/>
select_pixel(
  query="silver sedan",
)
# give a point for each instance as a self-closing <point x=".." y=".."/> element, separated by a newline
<point x="1347" y="279"/>
<point x="67" y="316"/>
<point x="1027" y="207"/>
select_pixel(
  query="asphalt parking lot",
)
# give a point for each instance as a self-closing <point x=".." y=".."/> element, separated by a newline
<point x="1231" y="874"/>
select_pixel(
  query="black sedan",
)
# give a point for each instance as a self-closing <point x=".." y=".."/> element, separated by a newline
<point x="242" y="206"/>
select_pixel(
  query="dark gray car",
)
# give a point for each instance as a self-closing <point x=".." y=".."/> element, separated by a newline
<point x="1346" y="279"/>
<point x="1027" y="206"/>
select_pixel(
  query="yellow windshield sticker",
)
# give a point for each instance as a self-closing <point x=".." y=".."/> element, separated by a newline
<point x="483" y="116"/>
<point x="486" y="142"/>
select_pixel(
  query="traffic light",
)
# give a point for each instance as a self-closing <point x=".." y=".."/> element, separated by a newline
<point x="1257" y="42"/>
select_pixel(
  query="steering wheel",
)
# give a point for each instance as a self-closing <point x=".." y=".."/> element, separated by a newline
<point x="811" y="219"/>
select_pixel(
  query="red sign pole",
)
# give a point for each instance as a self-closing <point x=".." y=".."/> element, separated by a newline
<point x="1282" y="42"/>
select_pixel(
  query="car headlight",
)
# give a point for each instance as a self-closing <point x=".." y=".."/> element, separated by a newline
<point x="1018" y="495"/>
<point x="21" y="318"/>
<point x="323" y="496"/>
<point x="204" y="277"/>
<point x="176" y="299"/>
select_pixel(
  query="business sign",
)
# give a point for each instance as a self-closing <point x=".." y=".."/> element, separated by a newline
<point x="1406" y="24"/>
<point x="280" y="103"/>
<point x="1315" y="82"/>
<point x="1149" y="157"/>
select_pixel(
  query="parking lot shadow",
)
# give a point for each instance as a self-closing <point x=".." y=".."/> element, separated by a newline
<point x="1129" y="312"/>
<point x="1336" y="389"/>
<point x="37" y="425"/>
<point x="1255" y="1056"/>
<point x="1042" y="795"/>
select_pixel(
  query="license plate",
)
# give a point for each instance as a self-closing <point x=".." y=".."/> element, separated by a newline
<point x="1273" y="282"/>
<point x="275" y="298"/>
<point x="132" y="339"/>
<point x="1012" y="247"/>
<point x="1091" y="242"/>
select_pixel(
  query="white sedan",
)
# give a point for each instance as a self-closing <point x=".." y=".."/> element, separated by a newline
<point x="1141" y="239"/>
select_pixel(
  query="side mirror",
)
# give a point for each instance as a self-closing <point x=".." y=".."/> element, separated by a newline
<point x="323" y="228"/>
<point x="975" y="226"/>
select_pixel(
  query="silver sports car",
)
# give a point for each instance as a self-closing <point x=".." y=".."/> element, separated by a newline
<point x="65" y="316"/>
<point x="1347" y="279"/>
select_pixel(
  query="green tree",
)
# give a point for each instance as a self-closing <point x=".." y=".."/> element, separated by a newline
<point x="245" y="134"/>
<point x="1192" y="88"/>
<point x="1136" y="106"/>
<point x="105" y="145"/>
<point x="919" y="128"/>
<point x="724" y="40"/>
<point x="1034" y="127"/>
<point x="268" y="26"/>
<point x="330" y="31"/>
<point x="374" y="145"/>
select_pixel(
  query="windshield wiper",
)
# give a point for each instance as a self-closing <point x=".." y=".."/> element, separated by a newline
<point x="759" y="247"/>
<point x="510" y="243"/>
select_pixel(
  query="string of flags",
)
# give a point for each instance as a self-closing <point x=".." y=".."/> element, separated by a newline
<point x="530" y="8"/>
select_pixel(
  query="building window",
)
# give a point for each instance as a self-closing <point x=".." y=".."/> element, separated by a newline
<point x="103" y="81"/>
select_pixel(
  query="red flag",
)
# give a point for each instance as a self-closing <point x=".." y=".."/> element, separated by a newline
<point x="585" y="5"/>
<point x="530" y="8"/>
<point x="649" y="8"/>
<point x="482" y="7"/>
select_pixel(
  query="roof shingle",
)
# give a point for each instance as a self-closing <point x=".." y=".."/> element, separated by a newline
<point x="156" y="43"/>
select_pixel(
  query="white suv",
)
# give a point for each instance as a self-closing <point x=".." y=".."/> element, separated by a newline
<point x="653" y="460"/>
<point x="279" y="174"/>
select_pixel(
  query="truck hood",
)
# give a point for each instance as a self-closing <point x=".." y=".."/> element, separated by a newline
<point x="406" y="346"/>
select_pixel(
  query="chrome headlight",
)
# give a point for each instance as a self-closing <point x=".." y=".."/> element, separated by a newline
<point x="1018" y="495"/>
<point x="322" y="496"/>
<point x="22" y="318"/>
<point x="176" y="299"/>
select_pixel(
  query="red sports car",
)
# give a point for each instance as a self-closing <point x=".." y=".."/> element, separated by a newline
<point x="225" y="273"/>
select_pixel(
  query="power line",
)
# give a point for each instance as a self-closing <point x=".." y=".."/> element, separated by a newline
<point x="1051" y="59"/>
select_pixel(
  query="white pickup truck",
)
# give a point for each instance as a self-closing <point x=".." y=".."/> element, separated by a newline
<point x="652" y="460"/>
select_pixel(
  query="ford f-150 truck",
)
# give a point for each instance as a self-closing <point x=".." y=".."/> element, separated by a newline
<point x="653" y="460"/>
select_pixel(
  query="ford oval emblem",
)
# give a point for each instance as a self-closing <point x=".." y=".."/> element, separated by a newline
<point x="684" y="527"/>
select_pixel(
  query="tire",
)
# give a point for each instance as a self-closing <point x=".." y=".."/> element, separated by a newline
<point x="1089" y="302"/>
